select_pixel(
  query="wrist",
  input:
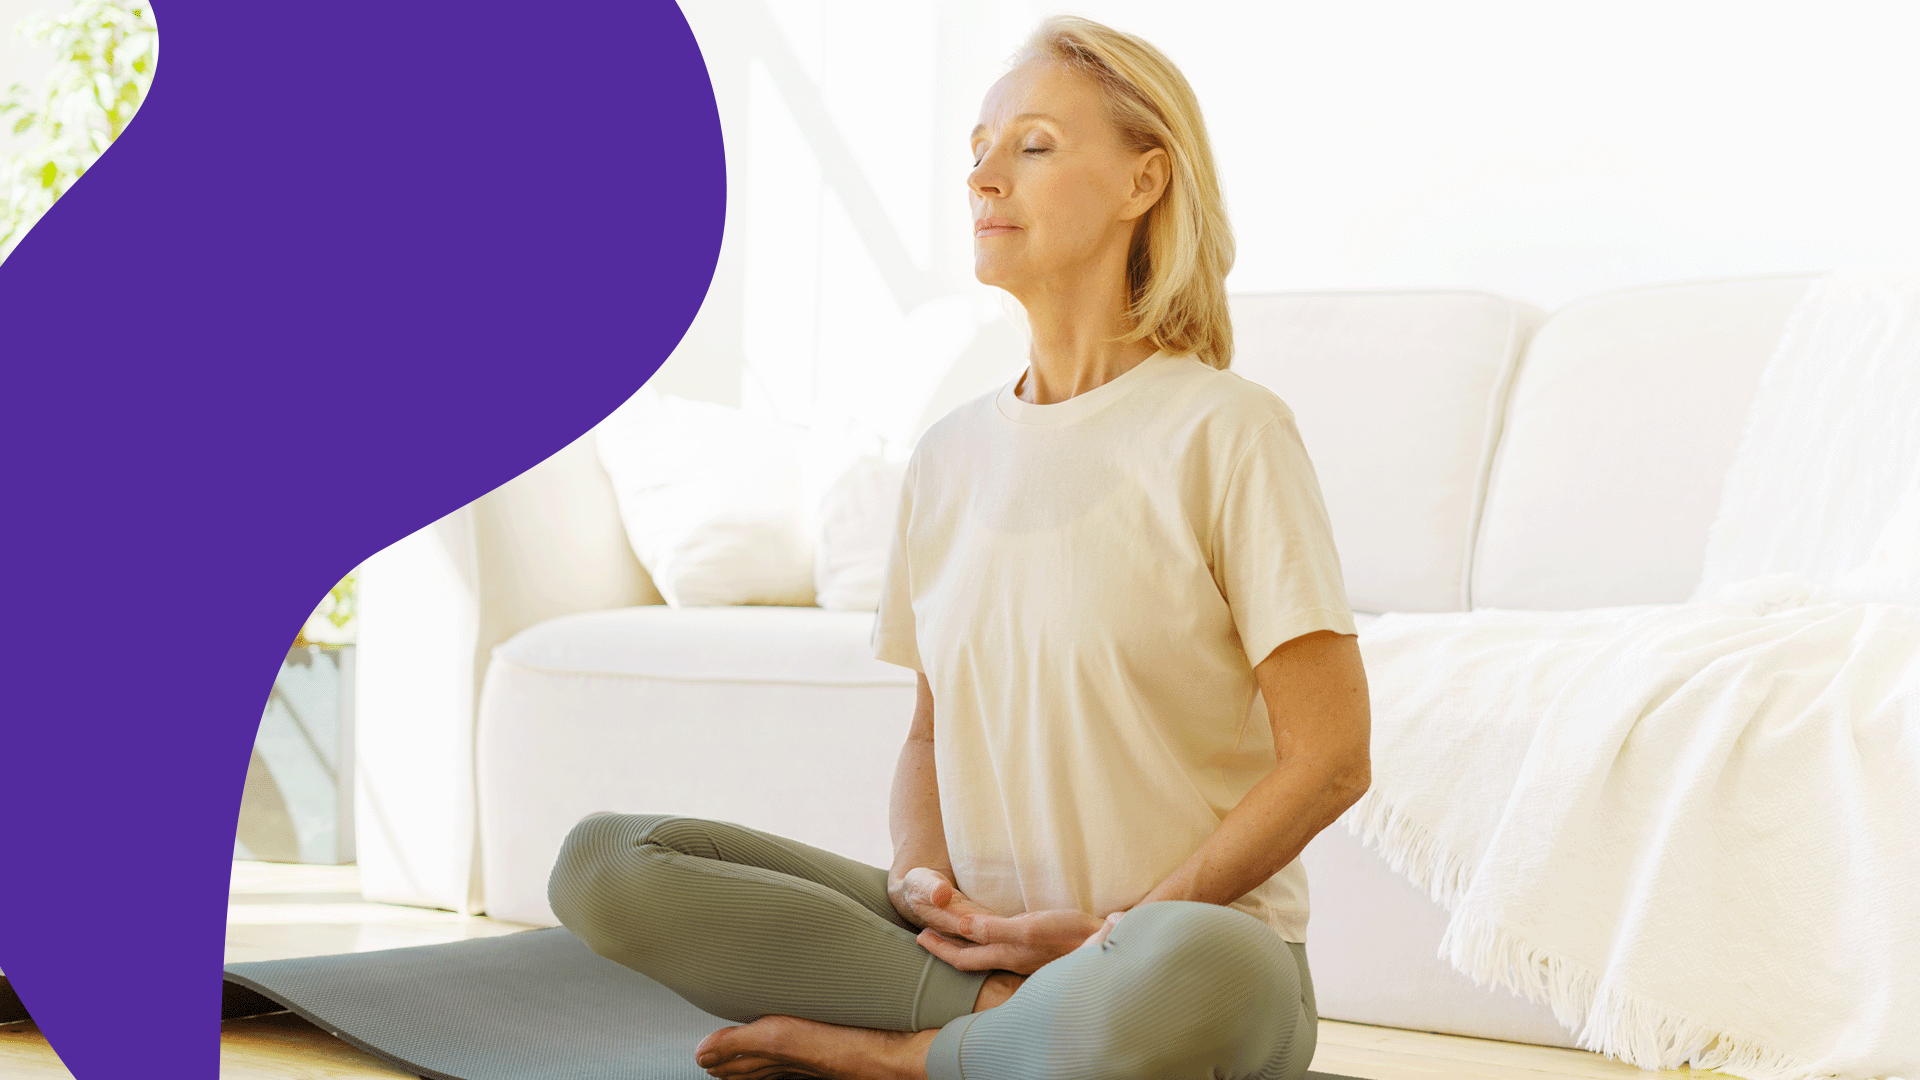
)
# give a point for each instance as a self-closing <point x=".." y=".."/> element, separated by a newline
<point x="1092" y="924"/>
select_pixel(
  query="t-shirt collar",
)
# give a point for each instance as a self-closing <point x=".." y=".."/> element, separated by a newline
<point x="1082" y="404"/>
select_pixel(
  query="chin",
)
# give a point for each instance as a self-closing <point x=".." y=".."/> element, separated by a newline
<point x="991" y="273"/>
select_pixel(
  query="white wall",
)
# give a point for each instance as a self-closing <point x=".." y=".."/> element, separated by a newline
<point x="1551" y="150"/>
<point x="845" y="295"/>
<point x="1543" y="151"/>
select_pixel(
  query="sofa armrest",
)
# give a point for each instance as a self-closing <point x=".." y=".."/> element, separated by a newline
<point x="431" y="608"/>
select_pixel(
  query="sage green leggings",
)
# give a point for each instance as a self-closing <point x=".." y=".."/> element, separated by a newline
<point x="745" y="924"/>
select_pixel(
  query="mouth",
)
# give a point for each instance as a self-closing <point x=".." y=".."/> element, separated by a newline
<point x="994" y="227"/>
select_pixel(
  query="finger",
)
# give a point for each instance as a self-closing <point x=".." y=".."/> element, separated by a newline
<point x="955" y="917"/>
<point x="942" y="946"/>
<point x="945" y="920"/>
<point x="950" y="941"/>
<point x="968" y="957"/>
<point x="932" y="900"/>
<point x="968" y="929"/>
<point x="959" y="915"/>
<point x="965" y="904"/>
<point x="934" y="887"/>
<point x="1098" y="937"/>
<point x="939" y="890"/>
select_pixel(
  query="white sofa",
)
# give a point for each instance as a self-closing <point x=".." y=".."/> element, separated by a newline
<point x="517" y="670"/>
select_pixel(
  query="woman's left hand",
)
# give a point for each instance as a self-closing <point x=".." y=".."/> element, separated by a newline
<point x="1022" y="943"/>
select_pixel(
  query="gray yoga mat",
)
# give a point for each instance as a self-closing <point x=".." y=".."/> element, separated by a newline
<point x="531" y="1005"/>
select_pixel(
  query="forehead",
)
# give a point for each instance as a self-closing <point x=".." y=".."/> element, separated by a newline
<point x="1043" y="86"/>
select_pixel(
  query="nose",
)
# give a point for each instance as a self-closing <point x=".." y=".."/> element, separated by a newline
<point x="985" y="181"/>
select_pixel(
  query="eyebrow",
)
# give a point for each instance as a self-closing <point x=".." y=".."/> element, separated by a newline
<point x="978" y="128"/>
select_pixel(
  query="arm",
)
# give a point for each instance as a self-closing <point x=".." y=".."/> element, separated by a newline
<point x="1316" y="694"/>
<point x="921" y="883"/>
<point x="913" y="818"/>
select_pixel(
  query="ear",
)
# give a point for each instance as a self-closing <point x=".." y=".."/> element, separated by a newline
<point x="1150" y="173"/>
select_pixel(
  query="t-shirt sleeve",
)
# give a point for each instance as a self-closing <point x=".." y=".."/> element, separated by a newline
<point x="893" y="638"/>
<point x="1273" y="553"/>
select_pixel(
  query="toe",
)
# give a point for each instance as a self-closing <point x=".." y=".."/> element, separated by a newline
<point x="746" y="1067"/>
<point x="714" y="1048"/>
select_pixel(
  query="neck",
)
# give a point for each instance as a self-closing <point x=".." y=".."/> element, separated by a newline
<point x="1072" y="349"/>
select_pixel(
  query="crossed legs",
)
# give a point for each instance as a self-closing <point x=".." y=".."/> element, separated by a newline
<point x="745" y="924"/>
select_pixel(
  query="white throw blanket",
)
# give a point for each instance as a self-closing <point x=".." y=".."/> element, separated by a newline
<point x="1694" y="829"/>
<point x="1691" y="829"/>
<point x="1832" y="439"/>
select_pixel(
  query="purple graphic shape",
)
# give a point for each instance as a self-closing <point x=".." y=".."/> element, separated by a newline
<point x="420" y="246"/>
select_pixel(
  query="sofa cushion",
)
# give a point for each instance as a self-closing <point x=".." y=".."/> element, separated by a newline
<point x="1398" y="398"/>
<point x="777" y="718"/>
<point x="853" y="532"/>
<point x="746" y="644"/>
<point x="713" y="499"/>
<point x="1621" y="426"/>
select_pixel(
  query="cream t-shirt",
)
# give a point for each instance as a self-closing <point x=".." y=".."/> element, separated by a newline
<point x="1087" y="586"/>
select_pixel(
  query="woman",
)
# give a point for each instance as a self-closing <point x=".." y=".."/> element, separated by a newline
<point x="1139" y="694"/>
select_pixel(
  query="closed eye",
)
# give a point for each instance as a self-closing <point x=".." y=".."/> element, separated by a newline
<point x="1030" y="150"/>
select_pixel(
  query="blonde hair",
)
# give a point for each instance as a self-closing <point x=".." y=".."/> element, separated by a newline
<point x="1177" y="268"/>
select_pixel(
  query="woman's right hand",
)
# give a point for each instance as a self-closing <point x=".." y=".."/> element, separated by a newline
<point x="929" y="898"/>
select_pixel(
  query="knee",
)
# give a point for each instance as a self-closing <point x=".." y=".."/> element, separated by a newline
<point x="1206" y="937"/>
<point x="1188" y="988"/>
<point x="599" y="877"/>
<point x="579" y="868"/>
<point x="1232" y="967"/>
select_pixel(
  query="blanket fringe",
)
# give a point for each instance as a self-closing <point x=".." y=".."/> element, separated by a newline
<point x="1623" y="1026"/>
<point x="1409" y="848"/>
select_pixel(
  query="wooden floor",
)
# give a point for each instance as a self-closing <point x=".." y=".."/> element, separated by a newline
<point x="278" y="910"/>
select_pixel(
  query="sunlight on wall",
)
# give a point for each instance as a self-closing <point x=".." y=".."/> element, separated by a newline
<point x="847" y="135"/>
<point x="1544" y="152"/>
<point x="781" y="337"/>
<point x="1549" y="151"/>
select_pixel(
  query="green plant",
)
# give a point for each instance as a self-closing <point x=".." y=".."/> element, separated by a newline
<point x="107" y="51"/>
<point x="336" y="611"/>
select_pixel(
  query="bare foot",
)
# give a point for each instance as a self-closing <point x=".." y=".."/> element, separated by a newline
<point x="787" y="1046"/>
<point x="997" y="989"/>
